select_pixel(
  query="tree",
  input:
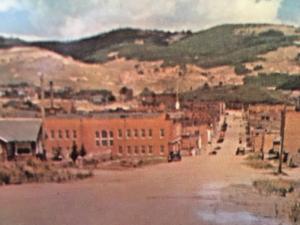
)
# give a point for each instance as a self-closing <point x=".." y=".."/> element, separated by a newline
<point x="82" y="151"/>
<point x="241" y="69"/>
<point x="74" y="154"/>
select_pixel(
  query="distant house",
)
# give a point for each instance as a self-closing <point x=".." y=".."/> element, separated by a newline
<point x="20" y="137"/>
<point x="96" y="96"/>
<point x="126" y="94"/>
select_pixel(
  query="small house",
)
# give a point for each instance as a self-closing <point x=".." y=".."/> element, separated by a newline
<point x="20" y="137"/>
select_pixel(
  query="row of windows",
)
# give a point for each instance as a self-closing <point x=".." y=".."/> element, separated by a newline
<point x="67" y="134"/>
<point x="135" y="133"/>
<point x="130" y="150"/>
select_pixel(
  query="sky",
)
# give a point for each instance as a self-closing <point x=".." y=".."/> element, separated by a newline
<point x="74" y="19"/>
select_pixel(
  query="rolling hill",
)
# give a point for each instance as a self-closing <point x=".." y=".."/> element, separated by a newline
<point x="149" y="58"/>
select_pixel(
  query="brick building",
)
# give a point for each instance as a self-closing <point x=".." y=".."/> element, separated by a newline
<point x="118" y="134"/>
<point x="292" y="133"/>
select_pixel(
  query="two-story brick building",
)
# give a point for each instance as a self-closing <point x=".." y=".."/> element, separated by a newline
<point x="118" y="134"/>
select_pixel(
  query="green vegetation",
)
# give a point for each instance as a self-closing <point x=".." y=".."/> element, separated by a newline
<point x="278" y="187"/>
<point x="239" y="94"/>
<point x="34" y="170"/>
<point x="241" y="69"/>
<point x="259" y="164"/>
<point x="277" y="80"/>
<point x="221" y="45"/>
<point x="255" y="161"/>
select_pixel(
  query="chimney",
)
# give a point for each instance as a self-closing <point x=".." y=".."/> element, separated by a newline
<point x="51" y="95"/>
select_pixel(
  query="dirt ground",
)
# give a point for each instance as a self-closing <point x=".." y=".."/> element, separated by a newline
<point x="193" y="191"/>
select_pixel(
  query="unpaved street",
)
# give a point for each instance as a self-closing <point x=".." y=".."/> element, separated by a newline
<point x="183" y="193"/>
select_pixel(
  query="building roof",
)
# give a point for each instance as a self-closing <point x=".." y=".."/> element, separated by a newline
<point x="19" y="130"/>
<point x="111" y="115"/>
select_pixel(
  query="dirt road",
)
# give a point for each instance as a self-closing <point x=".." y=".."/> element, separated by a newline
<point x="183" y="193"/>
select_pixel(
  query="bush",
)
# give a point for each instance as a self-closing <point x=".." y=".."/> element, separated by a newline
<point x="82" y="151"/>
<point x="294" y="213"/>
<point x="74" y="154"/>
<point x="258" y="67"/>
<point x="4" y="177"/>
<point x="241" y="69"/>
<point x="259" y="164"/>
<point x="254" y="156"/>
<point x="278" y="187"/>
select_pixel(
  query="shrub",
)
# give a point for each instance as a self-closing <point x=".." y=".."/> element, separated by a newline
<point x="278" y="187"/>
<point x="82" y="151"/>
<point x="4" y="177"/>
<point x="294" y="212"/>
<point x="259" y="164"/>
<point x="254" y="156"/>
<point x="74" y="154"/>
<point x="241" y="69"/>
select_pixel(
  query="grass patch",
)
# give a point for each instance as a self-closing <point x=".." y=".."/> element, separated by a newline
<point x="259" y="164"/>
<point x="253" y="156"/>
<point x="254" y="161"/>
<point x="250" y="94"/>
<point x="279" y="80"/>
<point x="34" y="170"/>
<point x="278" y="187"/>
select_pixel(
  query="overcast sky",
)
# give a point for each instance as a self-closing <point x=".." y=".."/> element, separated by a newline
<point x="72" y="19"/>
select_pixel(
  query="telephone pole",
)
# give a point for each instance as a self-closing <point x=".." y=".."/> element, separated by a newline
<point x="42" y="106"/>
<point x="282" y="127"/>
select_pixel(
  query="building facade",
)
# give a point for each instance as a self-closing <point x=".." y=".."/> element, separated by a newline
<point x="118" y="134"/>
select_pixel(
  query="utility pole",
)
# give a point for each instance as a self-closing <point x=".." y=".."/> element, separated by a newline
<point x="282" y="127"/>
<point x="42" y="106"/>
<point x="51" y="95"/>
<point x="262" y="144"/>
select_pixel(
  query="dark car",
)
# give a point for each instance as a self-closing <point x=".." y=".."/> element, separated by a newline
<point x="174" y="156"/>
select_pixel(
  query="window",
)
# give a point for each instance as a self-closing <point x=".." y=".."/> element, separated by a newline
<point x="60" y="134"/>
<point x="104" y="134"/>
<point x="104" y="142"/>
<point x="74" y="134"/>
<point x="107" y="138"/>
<point x="128" y="133"/>
<point x="111" y="142"/>
<point x="136" y="133"/>
<point x="150" y="133"/>
<point x="120" y="134"/>
<point x="162" y="149"/>
<point x="143" y="150"/>
<point x="143" y="133"/>
<point x="46" y="135"/>
<point x="136" y="150"/>
<point x="67" y="134"/>
<point x="120" y="150"/>
<point x="129" y="150"/>
<point x="97" y="134"/>
<point x="52" y="134"/>
<point x="97" y="142"/>
<point x="150" y="149"/>
<point x="162" y="133"/>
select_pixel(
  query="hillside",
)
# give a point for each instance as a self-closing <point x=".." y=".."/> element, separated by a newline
<point x="221" y="45"/>
<point x="143" y="58"/>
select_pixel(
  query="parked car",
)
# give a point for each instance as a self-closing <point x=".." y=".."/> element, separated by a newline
<point x="174" y="156"/>
<point x="214" y="152"/>
<point x="217" y="148"/>
<point x="240" y="151"/>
